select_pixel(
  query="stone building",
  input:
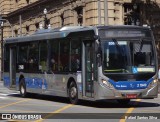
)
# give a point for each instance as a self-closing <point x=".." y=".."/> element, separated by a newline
<point x="23" y="17"/>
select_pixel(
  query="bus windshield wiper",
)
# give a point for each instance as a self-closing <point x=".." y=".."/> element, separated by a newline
<point x="120" y="49"/>
<point x="141" y="44"/>
<point x="118" y="46"/>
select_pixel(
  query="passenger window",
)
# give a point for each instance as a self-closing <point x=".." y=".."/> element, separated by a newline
<point x="22" y="57"/>
<point x="64" y="55"/>
<point x="43" y="56"/>
<point x="22" y="54"/>
<point x="33" y="57"/>
<point x="54" y="53"/>
<point x="75" y="55"/>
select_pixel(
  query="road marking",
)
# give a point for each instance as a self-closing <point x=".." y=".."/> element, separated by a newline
<point x="129" y="111"/>
<point x="55" y="112"/>
<point x="3" y="97"/>
<point x="38" y="105"/>
<point x="20" y="111"/>
<point x="3" y="94"/>
<point x="14" y="103"/>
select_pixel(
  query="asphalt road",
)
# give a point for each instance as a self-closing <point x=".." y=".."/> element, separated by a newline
<point x="40" y="108"/>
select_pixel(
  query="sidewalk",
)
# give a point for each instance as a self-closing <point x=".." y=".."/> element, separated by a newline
<point x="6" y="90"/>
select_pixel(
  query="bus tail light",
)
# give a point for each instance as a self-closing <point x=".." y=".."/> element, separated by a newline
<point x="106" y="83"/>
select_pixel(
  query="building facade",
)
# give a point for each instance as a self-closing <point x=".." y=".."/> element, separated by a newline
<point x="24" y="17"/>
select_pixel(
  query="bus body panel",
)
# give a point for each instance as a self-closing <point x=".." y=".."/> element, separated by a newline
<point x="56" y="83"/>
<point x="49" y="84"/>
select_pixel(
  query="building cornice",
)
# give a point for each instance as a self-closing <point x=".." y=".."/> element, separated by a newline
<point x="28" y="7"/>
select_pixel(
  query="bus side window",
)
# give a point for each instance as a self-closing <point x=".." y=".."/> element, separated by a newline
<point x="64" y="55"/>
<point x="75" y="55"/>
<point x="22" y="56"/>
<point x="33" y="57"/>
<point x="43" y="56"/>
<point x="54" y="53"/>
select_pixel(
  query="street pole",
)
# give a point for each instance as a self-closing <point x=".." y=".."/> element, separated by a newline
<point x="5" y="20"/>
<point x="1" y="50"/>
<point x="45" y="18"/>
<point x="45" y="22"/>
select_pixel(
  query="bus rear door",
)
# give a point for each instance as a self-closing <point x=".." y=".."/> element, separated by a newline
<point x="12" y="70"/>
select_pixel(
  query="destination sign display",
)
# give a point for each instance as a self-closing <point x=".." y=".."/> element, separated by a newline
<point x="112" y="33"/>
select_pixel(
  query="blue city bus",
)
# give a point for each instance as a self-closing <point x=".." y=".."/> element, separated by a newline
<point x="88" y="63"/>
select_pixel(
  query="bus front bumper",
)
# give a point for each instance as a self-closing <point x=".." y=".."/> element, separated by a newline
<point x="103" y="93"/>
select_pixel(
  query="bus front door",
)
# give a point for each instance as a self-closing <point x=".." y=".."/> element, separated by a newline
<point x="12" y="67"/>
<point x="88" y="58"/>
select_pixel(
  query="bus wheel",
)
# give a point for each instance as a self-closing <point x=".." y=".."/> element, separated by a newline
<point x="124" y="101"/>
<point x="22" y="87"/>
<point x="73" y="93"/>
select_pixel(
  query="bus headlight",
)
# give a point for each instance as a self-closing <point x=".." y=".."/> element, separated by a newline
<point x="106" y="83"/>
<point x="153" y="83"/>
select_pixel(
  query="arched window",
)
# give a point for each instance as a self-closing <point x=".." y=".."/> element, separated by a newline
<point x="16" y="33"/>
<point x="27" y="28"/>
<point x="62" y="19"/>
<point x="79" y="11"/>
<point x="37" y="25"/>
<point x="27" y="1"/>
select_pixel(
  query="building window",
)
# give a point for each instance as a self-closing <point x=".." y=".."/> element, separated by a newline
<point x="27" y="28"/>
<point x="62" y="19"/>
<point x="16" y="1"/>
<point x="79" y="11"/>
<point x="27" y="1"/>
<point x="37" y="25"/>
<point x="16" y="33"/>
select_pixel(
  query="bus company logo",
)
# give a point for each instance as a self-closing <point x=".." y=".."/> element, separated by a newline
<point x="6" y="116"/>
<point x="132" y="85"/>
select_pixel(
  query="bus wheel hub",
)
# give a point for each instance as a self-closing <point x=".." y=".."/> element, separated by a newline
<point x="22" y="90"/>
<point x="73" y="92"/>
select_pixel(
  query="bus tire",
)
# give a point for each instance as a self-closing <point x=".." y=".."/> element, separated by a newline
<point x="73" y="93"/>
<point x="22" y="88"/>
<point x="124" y="101"/>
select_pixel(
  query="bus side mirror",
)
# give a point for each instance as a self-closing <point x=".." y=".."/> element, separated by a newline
<point x="99" y="57"/>
<point x="96" y="37"/>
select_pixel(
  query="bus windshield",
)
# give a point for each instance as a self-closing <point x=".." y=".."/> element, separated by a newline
<point x="128" y="56"/>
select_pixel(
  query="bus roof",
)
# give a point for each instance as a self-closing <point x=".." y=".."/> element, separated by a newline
<point x="63" y="32"/>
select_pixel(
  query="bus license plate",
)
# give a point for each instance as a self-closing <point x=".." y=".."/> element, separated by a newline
<point x="131" y="95"/>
